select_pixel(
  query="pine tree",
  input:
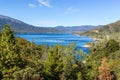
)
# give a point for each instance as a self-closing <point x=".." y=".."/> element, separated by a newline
<point x="69" y="63"/>
<point x="53" y="63"/>
<point x="10" y="60"/>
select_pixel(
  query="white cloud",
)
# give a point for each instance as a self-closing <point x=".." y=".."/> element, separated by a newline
<point x="32" y="5"/>
<point x="71" y="10"/>
<point x="44" y="3"/>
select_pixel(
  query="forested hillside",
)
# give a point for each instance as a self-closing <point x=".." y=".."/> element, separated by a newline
<point x="108" y="31"/>
<point x="23" y="60"/>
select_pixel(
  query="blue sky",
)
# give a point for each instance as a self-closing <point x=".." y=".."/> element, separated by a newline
<point x="49" y="13"/>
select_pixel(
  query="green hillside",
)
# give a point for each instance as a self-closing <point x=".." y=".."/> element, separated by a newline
<point x="108" y="31"/>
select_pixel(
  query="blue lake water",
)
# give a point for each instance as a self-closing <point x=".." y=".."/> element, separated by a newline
<point x="63" y="39"/>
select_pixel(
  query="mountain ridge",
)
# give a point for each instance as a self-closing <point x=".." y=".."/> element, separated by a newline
<point x="19" y="26"/>
<point x="111" y="30"/>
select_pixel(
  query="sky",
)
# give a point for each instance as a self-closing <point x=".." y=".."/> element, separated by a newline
<point x="50" y="13"/>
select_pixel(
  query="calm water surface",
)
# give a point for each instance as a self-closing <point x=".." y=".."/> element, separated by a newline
<point x="63" y="39"/>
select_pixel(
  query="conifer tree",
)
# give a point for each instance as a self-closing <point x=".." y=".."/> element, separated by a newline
<point x="53" y="63"/>
<point x="10" y="60"/>
<point x="69" y="63"/>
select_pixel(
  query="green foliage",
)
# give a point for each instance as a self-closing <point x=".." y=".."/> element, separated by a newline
<point x="79" y="76"/>
<point x="10" y="60"/>
<point x="24" y="60"/>
<point x="110" y="31"/>
<point x="109" y="49"/>
<point x="53" y="63"/>
<point x="112" y="46"/>
<point x="24" y="74"/>
<point x="61" y="63"/>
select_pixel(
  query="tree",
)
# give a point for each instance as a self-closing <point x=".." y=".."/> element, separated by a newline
<point x="104" y="71"/>
<point x="10" y="60"/>
<point x="53" y="63"/>
<point x="112" y="46"/>
<point x="70" y="65"/>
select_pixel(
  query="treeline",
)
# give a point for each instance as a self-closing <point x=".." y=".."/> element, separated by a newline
<point x="23" y="60"/>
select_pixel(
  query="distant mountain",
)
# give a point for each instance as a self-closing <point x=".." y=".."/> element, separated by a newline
<point x="72" y="29"/>
<point x="20" y="27"/>
<point x="110" y="30"/>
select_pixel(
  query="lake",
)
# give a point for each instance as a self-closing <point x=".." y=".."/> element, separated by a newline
<point x="63" y="39"/>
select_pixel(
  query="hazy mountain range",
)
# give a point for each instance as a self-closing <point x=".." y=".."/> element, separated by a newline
<point x="21" y="27"/>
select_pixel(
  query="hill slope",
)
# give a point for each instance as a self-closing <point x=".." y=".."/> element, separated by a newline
<point x="20" y="27"/>
<point x="77" y="29"/>
<point x="111" y="30"/>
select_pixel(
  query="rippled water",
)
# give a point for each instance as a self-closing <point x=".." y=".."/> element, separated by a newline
<point x="63" y="39"/>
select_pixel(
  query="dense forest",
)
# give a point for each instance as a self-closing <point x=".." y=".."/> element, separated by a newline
<point x="23" y="60"/>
